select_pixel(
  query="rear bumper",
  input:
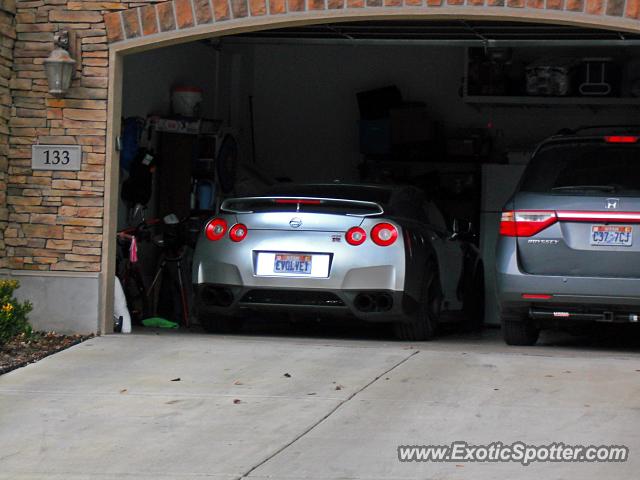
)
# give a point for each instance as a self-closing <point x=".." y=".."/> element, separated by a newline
<point x="368" y="305"/>
<point x="573" y="313"/>
<point x="589" y="294"/>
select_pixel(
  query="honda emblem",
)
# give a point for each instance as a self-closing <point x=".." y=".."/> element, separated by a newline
<point x="612" y="203"/>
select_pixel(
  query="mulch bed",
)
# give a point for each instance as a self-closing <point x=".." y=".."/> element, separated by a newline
<point x="24" y="349"/>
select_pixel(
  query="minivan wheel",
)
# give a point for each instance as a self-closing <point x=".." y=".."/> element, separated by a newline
<point x="423" y="324"/>
<point x="520" y="332"/>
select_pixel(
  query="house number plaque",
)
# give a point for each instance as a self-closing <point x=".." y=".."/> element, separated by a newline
<point x="56" y="157"/>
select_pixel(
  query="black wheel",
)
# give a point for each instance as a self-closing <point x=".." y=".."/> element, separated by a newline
<point x="423" y="324"/>
<point x="517" y="329"/>
<point x="473" y="302"/>
<point x="213" y="323"/>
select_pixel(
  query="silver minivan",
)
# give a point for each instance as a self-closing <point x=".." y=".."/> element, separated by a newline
<point x="569" y="244"/>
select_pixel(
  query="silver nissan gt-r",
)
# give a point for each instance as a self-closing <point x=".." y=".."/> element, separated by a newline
<point x="379" y="253"/>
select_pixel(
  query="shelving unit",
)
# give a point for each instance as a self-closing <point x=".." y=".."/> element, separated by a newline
<point x="509" y="101"/>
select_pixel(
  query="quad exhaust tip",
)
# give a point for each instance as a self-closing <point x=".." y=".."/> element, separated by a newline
<point x="373" y="302"/>
<point x="217" y="296"/>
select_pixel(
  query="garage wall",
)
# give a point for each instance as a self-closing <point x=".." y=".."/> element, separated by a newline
<point x="149" y="77"/>
<point x="306" y="111"/>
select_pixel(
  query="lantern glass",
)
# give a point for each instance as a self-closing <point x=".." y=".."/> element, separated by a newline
<point x="59" y="67"/>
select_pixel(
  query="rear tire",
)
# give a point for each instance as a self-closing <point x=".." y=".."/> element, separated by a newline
<point x="423" y="325"/>
<point x="519" y="330"/>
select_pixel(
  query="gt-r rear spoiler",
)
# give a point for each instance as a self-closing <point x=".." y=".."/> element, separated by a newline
<point x="352" y="208"/>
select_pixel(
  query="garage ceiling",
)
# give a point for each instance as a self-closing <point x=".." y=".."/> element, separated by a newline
<point x="460" y="32"/>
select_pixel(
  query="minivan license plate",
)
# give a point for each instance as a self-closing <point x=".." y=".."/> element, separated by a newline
<point x="612" y="235"/>
<point x="296" y="264"/>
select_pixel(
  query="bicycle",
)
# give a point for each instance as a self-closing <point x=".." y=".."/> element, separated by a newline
<point x="129" y="269"/>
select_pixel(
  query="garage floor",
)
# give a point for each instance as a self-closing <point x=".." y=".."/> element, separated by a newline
<point x="312" y="407"/>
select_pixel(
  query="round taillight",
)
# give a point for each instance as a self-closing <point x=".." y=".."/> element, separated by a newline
<point x="355" y="236"/>
<point x="238" y="232"/>
<point x="215" y="229"/>
<point x="384" y="234"/>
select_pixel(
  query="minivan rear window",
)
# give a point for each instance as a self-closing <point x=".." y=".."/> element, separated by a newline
<point x="586" y="168"/>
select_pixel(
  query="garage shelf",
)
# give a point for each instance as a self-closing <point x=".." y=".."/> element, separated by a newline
<point x="508" y="101"/>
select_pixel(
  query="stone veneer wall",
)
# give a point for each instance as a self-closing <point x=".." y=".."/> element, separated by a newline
<point x="55" y="218"/>
<point x="7" y="37"/>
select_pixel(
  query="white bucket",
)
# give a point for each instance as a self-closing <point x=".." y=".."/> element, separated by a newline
<point x="186" y="101"/>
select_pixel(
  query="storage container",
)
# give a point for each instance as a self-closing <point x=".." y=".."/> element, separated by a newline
<point x="551" y="77"/>
<point x="186" y="101"/>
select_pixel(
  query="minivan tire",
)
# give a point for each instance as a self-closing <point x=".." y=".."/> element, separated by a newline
<point x="520" y="332"/>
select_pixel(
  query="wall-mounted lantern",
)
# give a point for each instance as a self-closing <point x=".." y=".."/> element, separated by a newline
<point x="60" y="66"/>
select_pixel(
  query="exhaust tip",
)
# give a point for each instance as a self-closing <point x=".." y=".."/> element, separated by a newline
<point x="373" y="302"/>
<point x="384" y="302"/>
<point x="364" y="302"/>
<point x="217" y="296"/>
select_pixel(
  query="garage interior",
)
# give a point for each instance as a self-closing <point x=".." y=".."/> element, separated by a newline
<point x="445" y="105"/>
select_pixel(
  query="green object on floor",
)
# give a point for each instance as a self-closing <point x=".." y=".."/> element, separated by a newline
<point x="159" y="322"/>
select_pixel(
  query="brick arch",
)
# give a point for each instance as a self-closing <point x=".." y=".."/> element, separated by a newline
<point x="176" y="19"/>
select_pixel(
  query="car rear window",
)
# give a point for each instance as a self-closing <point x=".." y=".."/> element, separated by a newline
<point x="589" y="168"/>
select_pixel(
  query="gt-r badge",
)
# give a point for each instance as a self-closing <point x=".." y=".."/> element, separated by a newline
<point x="295" y="222"/>
<point x="612" y="203"/>
<point x="336" y="238"/>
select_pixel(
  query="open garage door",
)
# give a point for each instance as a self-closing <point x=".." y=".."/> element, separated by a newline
<point x="453" y="108"/>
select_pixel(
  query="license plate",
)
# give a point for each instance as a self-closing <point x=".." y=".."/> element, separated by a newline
<point x="296" y="264"/>
<point x="612" y="235"/>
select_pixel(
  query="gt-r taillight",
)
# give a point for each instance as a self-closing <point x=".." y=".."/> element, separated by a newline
<point x="525" y="223"/>
<point x="238" y="232"/>
<point x="355" y="236"/>
<point x="384" y="234"/>
<point x="215" y="229"/>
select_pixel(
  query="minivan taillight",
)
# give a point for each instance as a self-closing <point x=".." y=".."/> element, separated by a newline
<point x="525" y="223"/>
<point x="215" y="229"/>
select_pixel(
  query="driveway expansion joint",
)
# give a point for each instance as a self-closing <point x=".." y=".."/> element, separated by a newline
<point x="329" y="414"/>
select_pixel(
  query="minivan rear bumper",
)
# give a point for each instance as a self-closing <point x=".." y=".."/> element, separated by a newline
<point x="512" y="284"/>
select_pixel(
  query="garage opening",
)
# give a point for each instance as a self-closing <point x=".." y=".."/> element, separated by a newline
<point x="454" y="108"/>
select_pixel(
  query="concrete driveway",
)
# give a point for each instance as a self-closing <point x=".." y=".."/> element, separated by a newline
<point x="192" y="406"/>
